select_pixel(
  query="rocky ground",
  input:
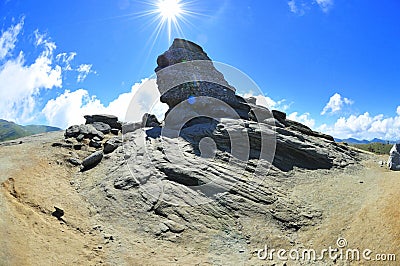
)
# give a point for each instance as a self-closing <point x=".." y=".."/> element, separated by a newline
<point x="106" y="225"/>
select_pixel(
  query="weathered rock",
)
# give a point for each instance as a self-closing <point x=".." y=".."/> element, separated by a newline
<point x="252" y="100"/>
<point x="394" y="158"/>
<point x="88" y="131"/>
<point x="110" y="120"/>
<point x="150" y="120"/>
<point x="102" y="127"/>
<point x="75" y="161"/>
<point x="163" y="227"/>
<point x="131" y="127"/>
<point x="306" y="130"/>
<point x="80" y="137"/>
<point x="259" y="113"/>
<point x="111" y="145"/>
<point x="174" y="227"/>
<point x="125" y="182"/>
<point x="280" y="116"/>
<point x="78" y="146"/>
<point x="58" y="213"/>
<point x="56" y="144"/>
<point x="94" y="144"/>
<point x="62" y="145"/>
<point x="73" y="131"/>
<point x="210" y="93"/>
<point x="211" y="82"/>
<point x="92" y="160"/>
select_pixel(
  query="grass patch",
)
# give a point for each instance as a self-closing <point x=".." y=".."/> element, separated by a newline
<point x="377" y="148"/>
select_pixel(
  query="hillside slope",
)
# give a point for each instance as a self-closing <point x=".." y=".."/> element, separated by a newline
<point x="355" y="203"/>
<point x="10" y="130"/>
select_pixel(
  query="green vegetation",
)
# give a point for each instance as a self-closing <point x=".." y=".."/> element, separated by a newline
<point x="10" y="130"/>
<point x="375" y="147"/>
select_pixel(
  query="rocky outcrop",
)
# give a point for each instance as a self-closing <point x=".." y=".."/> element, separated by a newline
<point x="110" y="120"/>
<point x="394" y="158"/>
<point x="196" y="173"/>
<point x="83" y="131"/>
<point x="193" y="75"/>
<point x="94" y="137"/>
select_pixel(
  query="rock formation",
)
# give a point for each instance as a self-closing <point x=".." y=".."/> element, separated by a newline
<point x="110" y="120"/>
<point x="196" y="175"/>
<point x="93" y="139"/>
<point x="296" y="144"/>
<point x="219" y="178"/>
<point x="394" y="158"/>
<point x="214" y="158"/>
<point x="187" y="80"/>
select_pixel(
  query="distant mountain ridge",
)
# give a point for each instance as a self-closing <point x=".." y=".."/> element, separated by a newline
<point x="356" y="141"/>
<point x="10" y="130"/>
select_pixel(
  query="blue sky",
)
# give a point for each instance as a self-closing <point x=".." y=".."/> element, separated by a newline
<point x="332" y="64"/>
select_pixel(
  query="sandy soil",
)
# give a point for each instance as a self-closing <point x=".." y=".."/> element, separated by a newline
<point x="34" y="182"/>
<point x="360" y="205"/>
<point x="362" y="208"/>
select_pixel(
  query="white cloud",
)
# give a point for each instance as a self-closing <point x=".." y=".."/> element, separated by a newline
<point x="398" y="111"/>
<point x="304" y="119"/>
<point x="20" y="83"/>
<point x="84" y="71"/>
<point x="325" y="5"/>
<point x="335" y="104"/>
<point x="365" y="126"/>
<point x="43" y="40"/>
<point x="66" y="108"/>
<point x="8" y="39"/>
<point x="66" y="59"/>
<point x="300" y="7"/>
<point x="70" y="107"/>
<point x="292" y="6"/>
<point x="268" y="102"/>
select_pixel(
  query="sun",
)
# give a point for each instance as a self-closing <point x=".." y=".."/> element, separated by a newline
<point x="170" y="10"/>
<point x="169" y="15"/>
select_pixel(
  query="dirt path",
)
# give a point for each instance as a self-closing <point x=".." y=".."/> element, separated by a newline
<point x="362" y="208"/>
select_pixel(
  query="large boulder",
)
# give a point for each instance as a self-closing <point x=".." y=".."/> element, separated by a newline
<point x="110" y="120"/>
<point x="111" y="145"/>
<point x="394" y="158"/>
<point x="102" y="127"/>
<point x="92" y="160"/>
<point x="176" y="84"/>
